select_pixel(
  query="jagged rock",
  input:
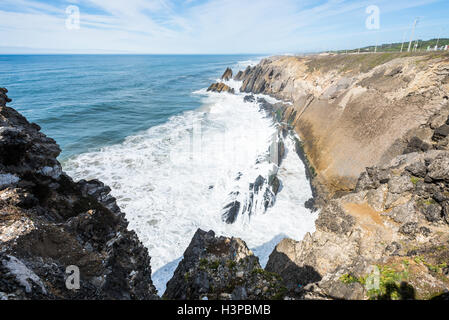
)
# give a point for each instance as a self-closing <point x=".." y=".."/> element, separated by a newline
<point x="400" y="184"/>
<point x="249" y="98"/>
<point x="433" y="212"/>
<point x="374" y="227"/>
<point x="48" y="223"/>
<point x="418" y="169"/>
<point x="439" y="168"/>
<point x="441" y="132"/>
<point x="221" y="268"/>
<point x="220" y="87"/>
<point x="227" y="75"/>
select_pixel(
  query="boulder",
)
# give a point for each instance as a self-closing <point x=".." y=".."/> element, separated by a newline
<point x="220" y="87"/>
<point x="221" y="268"/>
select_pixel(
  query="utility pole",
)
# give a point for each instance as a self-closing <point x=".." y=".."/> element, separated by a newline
<point x="403" y="40"/>
<point x="438" y="41"/>
<point x="413" y="34"/>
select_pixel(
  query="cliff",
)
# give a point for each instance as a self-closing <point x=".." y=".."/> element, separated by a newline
<point x="48" y="222"/>
<point x="374" y="132"/>
<point x="356" y="111"/>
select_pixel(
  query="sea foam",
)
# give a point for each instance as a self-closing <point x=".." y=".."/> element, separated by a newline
<point x="176" y="177"/>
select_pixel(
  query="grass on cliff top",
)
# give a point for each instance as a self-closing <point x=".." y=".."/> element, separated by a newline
<point x="355" y="63"/>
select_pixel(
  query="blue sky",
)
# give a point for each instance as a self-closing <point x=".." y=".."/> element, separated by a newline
<point x="212" y="26"/>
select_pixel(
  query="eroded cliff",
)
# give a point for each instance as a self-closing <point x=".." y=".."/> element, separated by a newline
<point x="48" y="222"/>
<point x="356" y="111"/>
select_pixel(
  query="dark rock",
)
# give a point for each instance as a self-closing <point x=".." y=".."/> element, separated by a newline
<point x="334" y="219"/>
<point x="432" y="212"/>
<point x="393" y="248"/>
<point x="220" y="87"/>
<point x="249" y="98"/>
<point x="446" y="212"/>
<point x="275" y="183"/>
<point x="441" y="132"/>
<point x="425" y="231"/>
<point x="221" y="268"/>
<point x="409" y="228"/>
<point x="231" y="212"/>
<point x="418" y="169"/>
<point x="227" y="74"/>
<point x="416" y="145"/>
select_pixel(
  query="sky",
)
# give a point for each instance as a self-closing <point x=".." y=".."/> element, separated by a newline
<point x="213" y="26"/>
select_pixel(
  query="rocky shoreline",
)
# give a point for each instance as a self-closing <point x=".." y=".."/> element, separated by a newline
<point x="48" y="222"/>
<point x="374" y="137"/>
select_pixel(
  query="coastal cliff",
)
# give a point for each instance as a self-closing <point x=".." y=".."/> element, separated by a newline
<point x="374" y="137"/>
<point x="374" y="131"/>
<point x="49" y="223"/>
<point x="356" y="111"/>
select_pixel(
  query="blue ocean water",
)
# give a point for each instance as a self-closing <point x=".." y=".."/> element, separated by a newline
<point x="89" y="101"/>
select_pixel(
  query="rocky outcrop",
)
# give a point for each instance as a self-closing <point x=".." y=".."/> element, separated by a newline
<point x="220" y="87"/>
<point x="221" y="268"/>
<point x="357" y="111"/>
<point x="387" y="240"/>
<point x="227" y="75"/>
<point x="49" y="223"/>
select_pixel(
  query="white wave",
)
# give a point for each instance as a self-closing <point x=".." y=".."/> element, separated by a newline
<point x="176" y="177"/>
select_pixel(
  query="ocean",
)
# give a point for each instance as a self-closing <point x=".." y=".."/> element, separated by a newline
<point x="171" y="152"/>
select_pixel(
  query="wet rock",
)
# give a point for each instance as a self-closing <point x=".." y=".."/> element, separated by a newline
<point x="249" y="98"/>
<point x="231" y="212"/>
<point x="221" y="268"/>
<point x="227" y="75"/>
<point x="220" y="87"/>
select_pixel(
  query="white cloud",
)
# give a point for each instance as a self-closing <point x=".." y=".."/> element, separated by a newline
<point x="190" y="26"/>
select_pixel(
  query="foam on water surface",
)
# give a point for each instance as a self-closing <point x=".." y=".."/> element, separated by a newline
<point x="176" y="177"/>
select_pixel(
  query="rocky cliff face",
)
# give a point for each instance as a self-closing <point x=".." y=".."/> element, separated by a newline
<point x="393" y="229"/>
<point x="375" y="136"/>
<point x="357" y="111"/>
<point x="48" y="222"/>
<point x="222" y="268"/>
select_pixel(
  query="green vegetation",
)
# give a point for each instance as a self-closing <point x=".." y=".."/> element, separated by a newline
<point x="415" y="180"/>
<point x="356" y="63"/>
<point x="348" y="279"/>
<point x="396" y="47"/>
<point x="392" y="284"/>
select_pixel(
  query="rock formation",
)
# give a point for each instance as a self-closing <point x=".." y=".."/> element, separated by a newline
<point x="221" y="268"/>
<point x="227" y="75"/>
<point x="220" y="87"/>
<point x="396" y="223"/>
<point x="357" y="111"/>
<point x="48" y="223"/>
<point x="374" y="132"/>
